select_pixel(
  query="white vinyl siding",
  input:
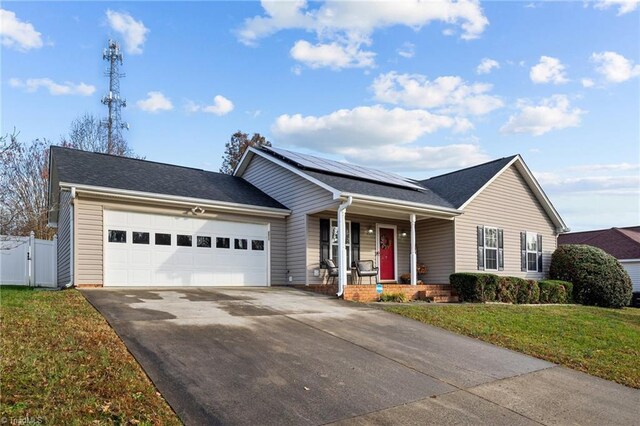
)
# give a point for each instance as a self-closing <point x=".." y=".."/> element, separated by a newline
<point x="509" y="204"/>
<point x="302" y="198"/>
<point x="633" y="269"/>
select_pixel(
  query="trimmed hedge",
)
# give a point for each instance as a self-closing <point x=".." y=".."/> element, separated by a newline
<point x="528" y="292"/>
<point x="554" y="291"/>
<point x="517" y="290"/>
<point x="597" y="277"/>
<point x="474" y="287"/>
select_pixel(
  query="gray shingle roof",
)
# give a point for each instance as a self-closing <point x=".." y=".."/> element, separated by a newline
<point x="450" y="190"/>
<point x="358" y="186"/>
<point x="90" y="168"/>
<point x="457" y="187"/>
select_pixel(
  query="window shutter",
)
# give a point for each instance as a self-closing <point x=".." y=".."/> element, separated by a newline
<point x="355" y="242"/>
<point x="325" y="227"/>
<point x="523" y="251"/>
<point x="480" y="231"/>
<point x="500" y="250"/>
<point x="539" y="253"/>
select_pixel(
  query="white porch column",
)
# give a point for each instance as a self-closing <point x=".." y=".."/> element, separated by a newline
<point x="414" y="257"/>
<point x="342" y="246"/>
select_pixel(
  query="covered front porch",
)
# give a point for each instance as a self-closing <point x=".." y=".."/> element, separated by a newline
<point x="412" y="248"/>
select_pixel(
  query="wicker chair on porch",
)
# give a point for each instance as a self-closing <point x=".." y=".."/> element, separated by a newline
<point x="365" y="268"/>
<point x="332" y="270"/>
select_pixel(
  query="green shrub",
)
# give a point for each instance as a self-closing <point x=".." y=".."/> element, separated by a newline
<point x="507" y="289"/>
<point x="474" y="287"/>
<point x="552" y="291"/>
<point x="598" y="278"/>
<point x="394" y="297"/>
<point x="528" y="291"/>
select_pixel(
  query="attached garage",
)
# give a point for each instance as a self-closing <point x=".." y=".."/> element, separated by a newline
<point x="158" y="250"/>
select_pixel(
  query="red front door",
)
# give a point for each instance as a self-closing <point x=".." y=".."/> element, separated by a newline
<point x="386" y="246"/>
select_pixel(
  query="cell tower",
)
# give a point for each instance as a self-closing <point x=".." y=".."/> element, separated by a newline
<point x="112" y="100"/>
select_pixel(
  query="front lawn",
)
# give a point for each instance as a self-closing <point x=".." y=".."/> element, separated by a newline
<point x="598" y="341"/>
<point x="61" y="363"/>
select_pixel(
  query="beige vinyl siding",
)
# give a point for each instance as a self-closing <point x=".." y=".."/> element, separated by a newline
<point x="507" y="203"/>
<point x="64" y="239"/>
<point x="301" y="197"/>
<point x="88" y="237"/>
<point x="90" y="234"/>
<point x="367" y="242"/>
<point x="435" y="244"/>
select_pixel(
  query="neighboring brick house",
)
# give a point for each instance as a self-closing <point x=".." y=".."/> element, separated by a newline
<point x="621" y="243"/>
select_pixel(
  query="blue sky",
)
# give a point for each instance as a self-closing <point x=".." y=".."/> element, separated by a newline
<point x="418" y="89"/>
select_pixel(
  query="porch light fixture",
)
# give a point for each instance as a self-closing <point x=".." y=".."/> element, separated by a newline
<point x="370" y="230"/>
<point x="403" y="234"/>
<point x="197" y="210"/>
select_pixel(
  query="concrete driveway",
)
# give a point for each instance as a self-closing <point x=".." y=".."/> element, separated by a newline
<point x="282" y="356"/>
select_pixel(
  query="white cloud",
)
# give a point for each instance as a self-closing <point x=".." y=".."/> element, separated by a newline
<point x="18" y="34"/>
<point x="415" y="158"/>
<point x="364" y="127"/>
<point x="221" y="106"/>
<point x="614" y="67"/>
<point x="155" y="102"/>
<point x="587" y="82"/>
<point x="624" y="6"/>
<point x="67" y="88"/>
<point x="408" y="50"/>
<point x="350" y="24"/>
<point x="592" y="196"/>
<point x="133" y="32"/>
<point x="487" y="65"/>
<point x="548" y="70"/>
<point x="447" y="94"/>
<point x="552" y="113"/>
<point x="331" y="55"/>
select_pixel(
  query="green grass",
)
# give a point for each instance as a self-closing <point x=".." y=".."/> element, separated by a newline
<point x="62" y="363"/>
<point x="598" y="341"/>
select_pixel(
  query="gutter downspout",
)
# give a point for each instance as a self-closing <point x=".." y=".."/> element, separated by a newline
<point x="71" y="237"/>
<point x="342" y="237"/>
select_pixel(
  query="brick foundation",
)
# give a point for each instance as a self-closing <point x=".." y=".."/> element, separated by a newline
<point x="367" y="292"/>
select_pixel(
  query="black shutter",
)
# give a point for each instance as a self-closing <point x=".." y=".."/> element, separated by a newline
<point x="325" y="230"/>
<point x="539" y="253"/>
<point x="355" y="242"/>
<point x="500" y="250"/>
<point x="480" y="231"/>
<point x="523" y="251"/>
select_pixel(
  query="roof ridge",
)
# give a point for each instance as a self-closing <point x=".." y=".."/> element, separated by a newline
<point x="133" y="158"/>
<point x="624" y="234"/>
<point x="470" y="167"/>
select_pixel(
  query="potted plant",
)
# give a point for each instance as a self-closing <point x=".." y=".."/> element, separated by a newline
<point x="405" y="278"/>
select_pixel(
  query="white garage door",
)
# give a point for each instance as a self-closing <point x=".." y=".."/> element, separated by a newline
<point x="155" y="250"/>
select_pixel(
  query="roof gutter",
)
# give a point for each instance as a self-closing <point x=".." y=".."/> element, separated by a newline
<point x="177" y="200"/>
<point x="410" y="206"/>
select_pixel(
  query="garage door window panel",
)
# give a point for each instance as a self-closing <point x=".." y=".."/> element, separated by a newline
<point x="163" y="239"/>
<point x="184" y="240"/>
<point x="240" y="244"/>
<point x="257" y="245"/>
<point x="140" y="237"/>
<point x="222" y="243"/>
<point x="116" y="236"/>
<point x="204" y="242"/>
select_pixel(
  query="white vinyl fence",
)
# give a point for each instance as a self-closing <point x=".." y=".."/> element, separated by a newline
<point x="28" y="261"/>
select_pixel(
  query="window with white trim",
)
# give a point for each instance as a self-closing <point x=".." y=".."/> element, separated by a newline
<point x="490" y="248"/>
<point x="333" y="240"/>
<point x="532" y="252"/>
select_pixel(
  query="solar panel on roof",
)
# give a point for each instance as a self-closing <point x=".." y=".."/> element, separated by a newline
<point x="344" y="169"/>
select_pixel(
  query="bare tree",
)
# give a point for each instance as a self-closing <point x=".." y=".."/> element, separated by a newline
<point x="24" y="177"/>
<point x="235" y="148"/>
<point x="89" y="133"/>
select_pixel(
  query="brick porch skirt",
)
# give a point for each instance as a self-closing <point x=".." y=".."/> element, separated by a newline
<point x="367" y="292"/>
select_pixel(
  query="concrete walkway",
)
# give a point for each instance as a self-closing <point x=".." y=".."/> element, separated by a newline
<point x="282" y="356"/>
